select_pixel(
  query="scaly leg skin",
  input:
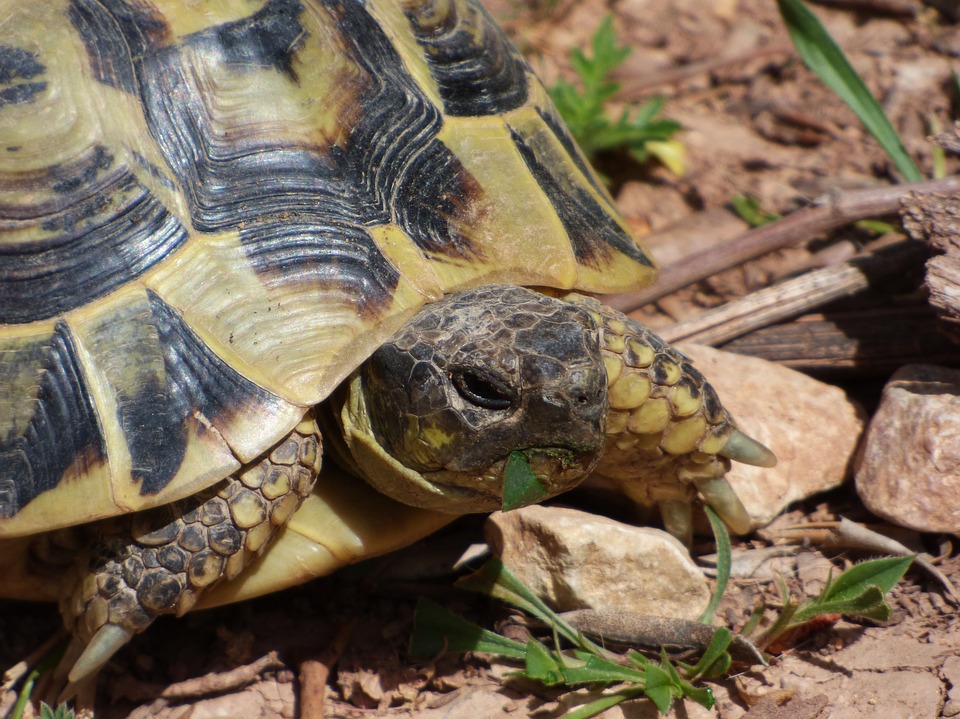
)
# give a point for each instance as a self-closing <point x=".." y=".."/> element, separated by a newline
<point x="159" y="561"/>
<point x="668" y="436"/>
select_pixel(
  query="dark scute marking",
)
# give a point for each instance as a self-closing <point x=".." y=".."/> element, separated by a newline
<point x="591" y="228"/>
<point x="114" y="33"/>
<point x="106" y="231"/>
<point x="22" y="93"/>
<point x="434" y="192"/>
<point x="152" y="414"/>
<point x="325" y="249"/>
<point x="404" y="173"/>
<point x="16" y="63"/>
<point x="82" y="173"/>
<point x="64" y="429"/>
<point x="198" y="382"/>
<point x="560" y="131"/>
<point x="269" y="38"/>
<point x="476" y="67"/>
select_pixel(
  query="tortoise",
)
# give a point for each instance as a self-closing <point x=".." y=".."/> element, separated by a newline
<point x="235" y="232"/>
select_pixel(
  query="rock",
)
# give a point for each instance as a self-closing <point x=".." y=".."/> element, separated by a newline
<point x="909" y="469"/>
<point x="576" y="560"/>
<point x="812" y="427"/>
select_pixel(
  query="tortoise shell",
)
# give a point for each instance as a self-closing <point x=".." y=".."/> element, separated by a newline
<point x="212" y="212"/>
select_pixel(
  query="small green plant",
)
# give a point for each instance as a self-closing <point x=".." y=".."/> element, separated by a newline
<point x="583" y="108"/>
<point x="859" y="591"/>
<point x="437" y="629"/>
<point x="61" y="712"/>
<point x="751" y="211"/>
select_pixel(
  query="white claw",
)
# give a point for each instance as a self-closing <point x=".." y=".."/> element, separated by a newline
<point x="743" y="448"/>
<point x="677" y="519"/>
<point x="718" y="493"/>
<point x="104" y="644"/>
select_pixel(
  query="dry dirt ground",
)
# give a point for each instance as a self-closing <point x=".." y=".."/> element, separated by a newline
<point x="756" y="122"/>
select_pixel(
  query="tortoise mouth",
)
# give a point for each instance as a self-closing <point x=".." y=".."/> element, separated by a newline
<point x="548" y="471"/>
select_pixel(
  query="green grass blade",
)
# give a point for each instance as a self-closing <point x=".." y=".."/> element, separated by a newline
<point x="606" y="701"/>
<point x="436" y="629"/>
<point x="822" y="55"/>
<point x="722" y="537"/>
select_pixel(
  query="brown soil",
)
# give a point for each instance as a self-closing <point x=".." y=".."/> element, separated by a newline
<point x="757" y="122"/>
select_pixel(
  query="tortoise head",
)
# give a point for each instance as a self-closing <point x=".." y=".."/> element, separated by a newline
<point x="437" y="411"/>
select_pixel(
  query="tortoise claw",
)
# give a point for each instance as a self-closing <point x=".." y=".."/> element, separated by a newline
<point x="677" y="518"/>
<point x="742" y="448"/>
<point x="105" y="643"/>
<point x="718" y="493"/>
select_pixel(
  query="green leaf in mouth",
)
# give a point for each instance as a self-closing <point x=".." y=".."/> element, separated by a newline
<point x="520" y="485"/>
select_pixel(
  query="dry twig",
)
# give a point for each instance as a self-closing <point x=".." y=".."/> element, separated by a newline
<point x="794" y="297"/>
<point x="314" y="674"/>
<point x="219" y="682"/>
<point x="905" y="8"/>
<point x="837" y="210"/>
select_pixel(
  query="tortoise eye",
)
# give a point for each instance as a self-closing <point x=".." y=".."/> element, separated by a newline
<point x="482" y="389"/>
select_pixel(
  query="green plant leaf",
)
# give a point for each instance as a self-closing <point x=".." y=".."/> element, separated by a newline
<point x="596" y="670"/>
<point x="883" y="573"/>
<point x="716" y="654"/>
<point x="436" y="629"/>
<point x="875" y="227"/>
<point x="701" y="695"/>
<point x="660" y="687"/>
<point x="583" y="108"/>
<point x="606" y="701"/>
<point x="722" y="538"/>
<point x="61" y="712"/>
<point x="869" y="603"/>
<point x="750" y="210"/>
<point x="542" y="665"/>
<point x="520" y="485"/>
<point x="822" y="55"/>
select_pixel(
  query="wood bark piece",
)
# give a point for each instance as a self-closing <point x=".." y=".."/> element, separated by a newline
<point x="794" y="297"/>
<point x="935" y="218"/>
<point x="873" y="342"/>
<point x="837" y="210"/>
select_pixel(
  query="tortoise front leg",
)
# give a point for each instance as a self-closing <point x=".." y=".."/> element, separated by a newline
<point x="668" y="435"/>
<point x="159" y="561"/>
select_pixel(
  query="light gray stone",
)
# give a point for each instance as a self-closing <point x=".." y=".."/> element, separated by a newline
<point x="909" y="469"/>
<point x="576" y="560"/>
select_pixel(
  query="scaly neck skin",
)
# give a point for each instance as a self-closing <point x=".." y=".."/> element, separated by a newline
<point x="668" y="435"/>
